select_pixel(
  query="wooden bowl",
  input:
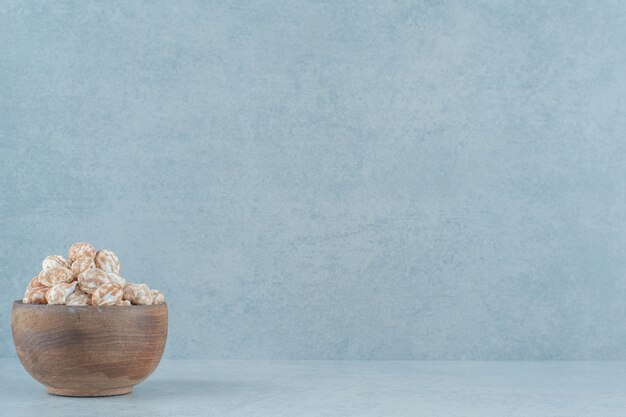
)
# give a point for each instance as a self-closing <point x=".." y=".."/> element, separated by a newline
<point x="89" y="351"/>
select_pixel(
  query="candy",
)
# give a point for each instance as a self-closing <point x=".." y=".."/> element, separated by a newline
<point x="107" y="295"/>
<point x="51" y="277"/>
<point x="37" y="296"/>
<point x="78" y="298"/>
<point x="34" y="283"/>
<point x="138" y="294"/>
<point x="119" y="280"/>
<point x="157" y="297"/>
<point x="107" y="261"/>
<point x="82" y="264"/>
<point x="81" y="249"/>
<point x="91" y="279"/>
<point x="54" y="261"/>
<point x="59" y="293"/>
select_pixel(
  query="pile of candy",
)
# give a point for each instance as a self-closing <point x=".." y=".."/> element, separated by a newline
<point x="87" y="277"/>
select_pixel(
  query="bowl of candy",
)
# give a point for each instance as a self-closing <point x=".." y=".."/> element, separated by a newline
<point x="82" y="330"/>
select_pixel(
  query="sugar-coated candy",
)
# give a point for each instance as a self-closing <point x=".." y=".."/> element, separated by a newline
<point x="82" y="264"/>
<point x="157" y="297"/>
<point x="107" y="295"/>
<point x="119" y="280"/>
<point x="107" y="261"/>
<point x="54" y="261"/>
<point x="138" y="294"/>
<point x="34" y="283"/>
<point x="78" y="298"/>
<point x="51" y="277"/>
<point x="81" y="249"/>
<point x="37" y="295"/>
<point x="91" y="279"/>
<point x="60" y="292"/>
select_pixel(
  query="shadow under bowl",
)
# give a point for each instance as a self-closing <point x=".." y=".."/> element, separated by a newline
<point x="89" y="351"/>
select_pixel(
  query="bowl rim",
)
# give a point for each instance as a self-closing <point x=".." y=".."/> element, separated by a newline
<point x="63" y="306"/>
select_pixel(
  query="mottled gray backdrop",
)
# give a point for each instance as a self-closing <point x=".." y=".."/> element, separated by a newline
<point x="328" y="179"/>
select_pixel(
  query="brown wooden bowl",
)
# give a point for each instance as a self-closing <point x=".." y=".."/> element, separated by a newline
<point x="89" y="351"/>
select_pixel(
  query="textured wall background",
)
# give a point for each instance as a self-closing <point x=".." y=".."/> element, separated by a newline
<point x="429" y="180"/>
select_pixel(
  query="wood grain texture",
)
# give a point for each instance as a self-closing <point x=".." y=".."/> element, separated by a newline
<point x="86" y="350"/>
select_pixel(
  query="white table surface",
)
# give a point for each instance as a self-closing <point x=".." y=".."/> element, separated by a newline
<point x="341" y="388"/>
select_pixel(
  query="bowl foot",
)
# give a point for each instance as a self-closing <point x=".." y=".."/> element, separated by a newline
<point x="69" y="392"/>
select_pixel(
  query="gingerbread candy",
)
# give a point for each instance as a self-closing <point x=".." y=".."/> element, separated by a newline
<point x="91" y="279"/>
<point x="80" y="249"/>
<point x="107" y="261"/>
<point x="82" y="264"/>
<point x="54" y="261"/>
<point x="59" y="293"/>
<point x="51" y="277"/>
<point x="157" y="297"/>
<point x="34" y="283"/>
<point x="119" y="280"/>
<point x="107" y="295"/>
<point x="78" y="298"/>
<point x="138" y="294"/>
<point x="36" y="295"/>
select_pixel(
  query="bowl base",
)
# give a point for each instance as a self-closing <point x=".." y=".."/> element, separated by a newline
<point x="64" y="392"/>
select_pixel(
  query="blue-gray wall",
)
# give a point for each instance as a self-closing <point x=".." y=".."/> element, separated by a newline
<point x="324" y="179"/>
